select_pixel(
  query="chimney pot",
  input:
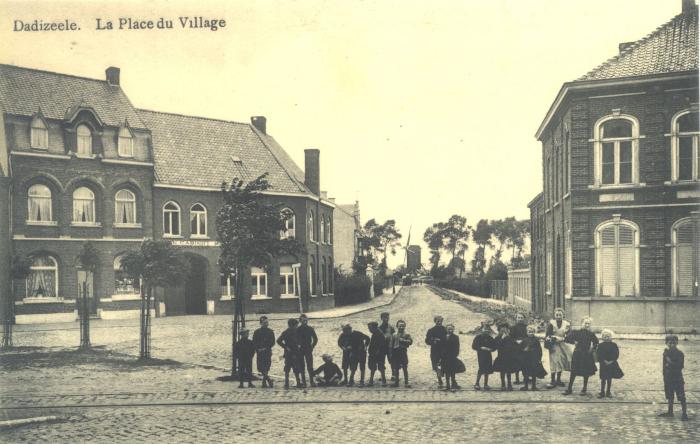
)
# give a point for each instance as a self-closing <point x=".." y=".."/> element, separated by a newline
<point x="112" y="75"/>
<point x="688" y="6"/>
<point x="624" y="45"/>
<point x="260" y="123"/>
<point x="312" y="172"/>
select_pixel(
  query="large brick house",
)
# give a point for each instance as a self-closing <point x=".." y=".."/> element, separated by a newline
<point x="78" y="162"/>
<point x="615" y="232"/>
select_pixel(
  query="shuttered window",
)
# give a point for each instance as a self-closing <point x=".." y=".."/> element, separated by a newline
<point x="686" y="254"/>
<point x="617" y="269"/>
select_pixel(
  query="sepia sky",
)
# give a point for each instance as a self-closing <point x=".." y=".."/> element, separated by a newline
<point x="420" y="109"/>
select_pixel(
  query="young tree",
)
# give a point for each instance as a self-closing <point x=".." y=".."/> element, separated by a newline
<point x="482" y="237"/>
<point x="87" y="261"/>
<point x="158" y="265"/>
<point x="19" y="269"/>
<point x="248" y="227"/>
<point x="433" y="236"/>
<point x="455" y="240"/>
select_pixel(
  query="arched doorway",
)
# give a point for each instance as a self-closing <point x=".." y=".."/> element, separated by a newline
<point x="196" y="285"/>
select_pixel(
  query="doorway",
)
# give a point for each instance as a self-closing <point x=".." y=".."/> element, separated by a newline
<point x="196" y="286"/>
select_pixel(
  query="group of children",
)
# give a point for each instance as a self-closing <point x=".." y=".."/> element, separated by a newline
<point x="518" y="351"/>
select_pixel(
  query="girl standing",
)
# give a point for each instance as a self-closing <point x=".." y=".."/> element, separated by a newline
<point x="582" y="362"/>
<point x="560" y="352"/>
<point x="450" y="363"/>
<point x="484" y="345"/>
<point x="506" y="361"/>
<point x="532" y="359"/>
<point x="609" y="368"/>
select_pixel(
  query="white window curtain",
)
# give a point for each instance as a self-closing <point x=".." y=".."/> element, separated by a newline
<point x="42" y="281"/>
<point x="83" y="205"/>
<point x="125" y="144"/>
<point x="125" y="207"/>
<point x="289" y="224"/>
<point x="39" y="203"/>
<point x="84" y="136"/>
<point x="198" y="220"/>
<point x="171" y="219"/>
<point x="39" y="134"/>
<point x="311" y="228"/>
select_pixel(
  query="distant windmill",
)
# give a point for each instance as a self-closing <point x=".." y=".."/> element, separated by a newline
<point x="405" y="249"/>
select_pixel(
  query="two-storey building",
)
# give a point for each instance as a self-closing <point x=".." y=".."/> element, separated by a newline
<point x="615" y="233"/>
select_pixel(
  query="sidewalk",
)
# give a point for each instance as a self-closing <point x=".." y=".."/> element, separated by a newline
<point x="336" y="312"/>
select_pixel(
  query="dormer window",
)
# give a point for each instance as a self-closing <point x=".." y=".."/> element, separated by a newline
<point x="39" y="134"/>
<point x="125" y="144"/>
<point x="84" y="140"/>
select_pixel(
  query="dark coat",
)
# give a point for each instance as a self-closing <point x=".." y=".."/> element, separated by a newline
<point x="484" y="357"/>
<point x="449" y="362"/>
<point x="263" y="338"/>
<point x="307" y="337"/>
<point x="507" y="359"/>
<point x="532" y="358"/>
<point x="608" y="351"/>
<point x="583" y="360"/>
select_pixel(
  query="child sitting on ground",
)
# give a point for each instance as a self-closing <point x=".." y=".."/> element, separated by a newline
<point x="328" y="374"/>
<point x="532" y="359"/>
<point x="673" y="362"/>
<point x="484" y="345"/>
<point x="609" y="368"/>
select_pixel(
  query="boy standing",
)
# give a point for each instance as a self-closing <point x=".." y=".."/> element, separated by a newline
<point x="307" y="341"/>
<point x="289" y="342"/>
<point x="243" y="354"/>
<point x="376" y="353"/>
<point x="400" y="342"/>
<point x="388" y="331"/>
<point x="264" y="340"/>
<point x="673" y="361"/>
<point x="435" y="338"/>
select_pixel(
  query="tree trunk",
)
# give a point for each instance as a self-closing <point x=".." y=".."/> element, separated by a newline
<point x="9" y="320"/>
<point x="84" y="314"/>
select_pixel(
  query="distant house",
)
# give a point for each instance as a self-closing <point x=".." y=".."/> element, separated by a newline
<point x="616" y="230"/>
<point x="78" y="162"/>
<point x="346" y="235"/>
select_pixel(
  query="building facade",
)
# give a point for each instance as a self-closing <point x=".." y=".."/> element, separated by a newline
<point x="615" y="233"/>
<point x="79" y="163"/>
<point x="346" y="235"/>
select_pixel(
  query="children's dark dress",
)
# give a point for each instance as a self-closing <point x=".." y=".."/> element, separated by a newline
<point x="377" y="351"/>
<point x="264" y="340"/>
<point x="435" y="338"/>
<point x="508" y="350"/>
<point x="583" y="361"/>
<point x="243" y="353"/>
<point x="532" y="358"/>
<point x="449" y="362"/>
<point x="673" y="363"/>
<point x="483" y="356"/>
<point x="519" y="333"/>
<point x="608" y="351"/>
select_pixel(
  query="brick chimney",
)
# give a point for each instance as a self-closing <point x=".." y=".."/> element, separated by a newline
<point x="688" y="6"/>
<point x="624" y="45"/>
<point x="112" y="75"/>
<point x="260" y="123"/>
<point x="312" y="172"/>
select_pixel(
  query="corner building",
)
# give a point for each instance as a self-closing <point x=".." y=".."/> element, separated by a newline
<point x="616" y="230"/>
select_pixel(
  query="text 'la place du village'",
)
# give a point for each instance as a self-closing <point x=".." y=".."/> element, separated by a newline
<point x="128" y="23"/>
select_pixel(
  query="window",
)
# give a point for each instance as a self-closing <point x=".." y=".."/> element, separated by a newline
<point x="171" y="219"/>
<point x="549" y="271"/>
<point x="568" y="263"/>
<point x="228" y="284"/>
<point x="125" y="144"/>
<point x="289" y="231"/>
<point x="330" y="276"/>
<point x="123" y="284"/>
<point x="685" y="151"/>
<point x="124" y="208"/>
<point x="311" y="276"/>
<point x="83" y="205"/>
<point x="686" y="257"/>
<point x="326" y="230"/>
<point x="616" y="150"/>
<point x="311" y="228"/>
<point x="329" y="230"/>
<point x="567" y="161"/>
<point x="42" y="281"/>
<point x="617" y="259"/>
<point x="323" y="229"/>
<point x="39" y="203"/>
<point x="84" y="140"/>
<point x="259" y="283"/>
<point x="198" y="220"/>
<point x="39" y="134"/>
<point x="288" y="282"/>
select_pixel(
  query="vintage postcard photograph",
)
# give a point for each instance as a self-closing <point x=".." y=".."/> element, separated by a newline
<point x="343" y="221"/>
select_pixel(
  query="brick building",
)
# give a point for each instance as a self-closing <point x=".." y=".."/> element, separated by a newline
<point x="346" y="235"/>
<point x="78" y="162"/>
<point x="615" y="232"/>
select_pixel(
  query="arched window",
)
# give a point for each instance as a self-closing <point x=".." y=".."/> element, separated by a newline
<point x="123" y="284"/>
<point x="39" y="134"/>
<point x="125" y="144"/>
<point x="311" y="276"/>
<point x="124" y="208"/>
<point x="324" y="277"/>
<point x="84" y="140"/>
<point x="617" y="258"/>
<point x="39" y="203"/>
<point x="171" y="219"/>
<point x="322" y="224"/>
<point x="42" y="281"/>
<point x="686" y="257"/>
<point x="83" y="205"/>
<point x="684" y="145"/>
<point x="310" y="227"/>
<point x="289" y="231"/>
<point x="329" y="230"/>
<point x="198" y="220"/>
<point x="616" y="147"/>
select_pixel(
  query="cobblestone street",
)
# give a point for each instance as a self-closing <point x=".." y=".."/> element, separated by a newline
<point x="177" y="397"/>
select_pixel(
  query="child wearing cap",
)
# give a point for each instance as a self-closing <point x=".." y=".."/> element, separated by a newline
<point x="243" y="353"/>
<point x="292" y="354"/>
<point x="328" y="374"/>
<point x="400" y="341"/>
<point x="376" y="353"/>
<point x="264" y="340"/>
<point x="673" y="362"/>
<point x="435" y="338"/>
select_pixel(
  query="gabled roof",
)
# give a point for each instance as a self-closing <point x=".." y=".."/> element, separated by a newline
<point x="201" y="152"/>
<point x="672" y="47"/>
<point x="23" y="91"/>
